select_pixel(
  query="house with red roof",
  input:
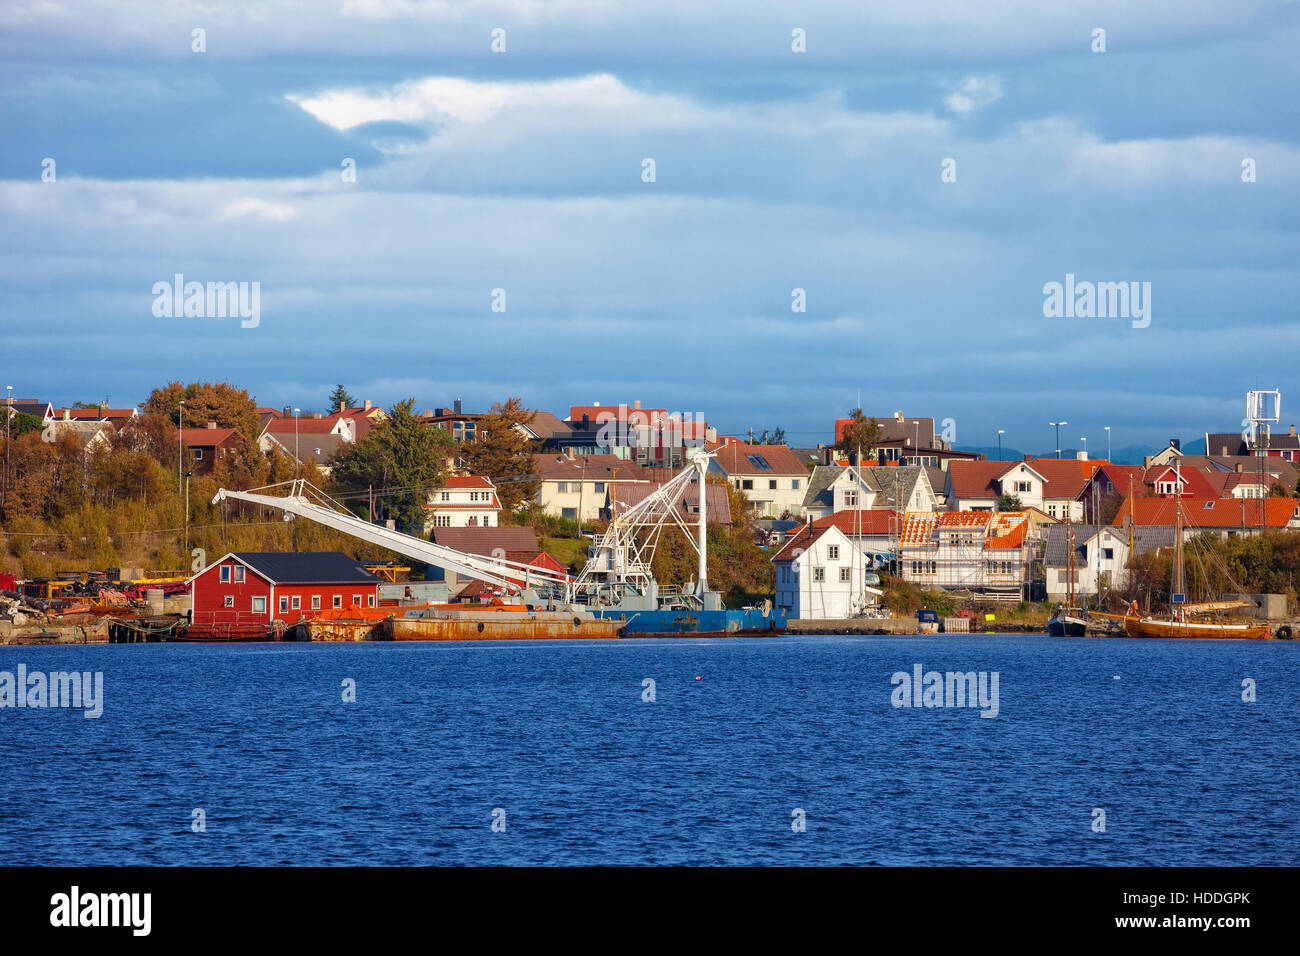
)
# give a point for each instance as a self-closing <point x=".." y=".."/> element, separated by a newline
<point x="468" y="501"/>
<point x="771" y="476"/>
<point x="1226" y="517"/>
<point x="205" y="447"/>
<point x="820" y="573"/>
<point x="873" y="531"/>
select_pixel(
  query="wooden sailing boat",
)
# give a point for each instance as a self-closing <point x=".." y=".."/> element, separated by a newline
<point x="1177" y="624"/>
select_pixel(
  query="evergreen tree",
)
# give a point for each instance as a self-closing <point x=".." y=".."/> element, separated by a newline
<point x="341" y="399"/>
<point x="402" y="459"/>
<point x="504" y="453"/>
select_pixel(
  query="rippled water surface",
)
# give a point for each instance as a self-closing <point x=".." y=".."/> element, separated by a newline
<point x="558" y="737"/>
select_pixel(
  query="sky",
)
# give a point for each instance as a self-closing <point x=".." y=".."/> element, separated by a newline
<point x="774" y="170"/>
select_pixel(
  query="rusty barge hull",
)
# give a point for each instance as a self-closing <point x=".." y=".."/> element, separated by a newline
<point x="502" y="626"/>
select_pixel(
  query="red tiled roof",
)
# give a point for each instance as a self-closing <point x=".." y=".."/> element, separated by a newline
<point x="867" y="521"/>
<point x="1209" y="512"/>
<point x="205" y="437"/>
<point x="469" y="481"/>
<point x="799" y="543"/>
<point x="918" y="526"/>
<point x="733" y="460"/>
<point x="305" y="426"/>
<point x="964" y="519"/>
<point x="977" y="479"/>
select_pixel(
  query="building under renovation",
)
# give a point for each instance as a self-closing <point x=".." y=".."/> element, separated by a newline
<point x="981" y="552"/>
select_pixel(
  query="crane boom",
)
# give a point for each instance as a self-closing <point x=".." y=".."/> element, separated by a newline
<point x="495" y="571"/>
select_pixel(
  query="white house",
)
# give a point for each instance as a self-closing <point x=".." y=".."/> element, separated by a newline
<point x="468" y="502"/>
<point x="833" y="488"/>
<point x="820" y="574"/>
<point x="772" y="477"/>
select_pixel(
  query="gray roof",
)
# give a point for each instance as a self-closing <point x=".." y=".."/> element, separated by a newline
<point x="820" y="479"/>
<point x="1145" y="538"/>
<point x="629" y="493"/>
<point x="307" y="567"/>
<point x="896" y="483"/>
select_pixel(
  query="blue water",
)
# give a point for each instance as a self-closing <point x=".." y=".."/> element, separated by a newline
<point x="557" y="735"/>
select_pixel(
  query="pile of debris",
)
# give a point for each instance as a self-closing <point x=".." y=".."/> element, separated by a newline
<point x="18" y="610"/>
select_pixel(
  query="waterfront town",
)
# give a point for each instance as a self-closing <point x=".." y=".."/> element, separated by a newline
<point x="105" y="508"/>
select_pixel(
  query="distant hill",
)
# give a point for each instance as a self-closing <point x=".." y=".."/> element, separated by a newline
<point x="1128" y="455"/>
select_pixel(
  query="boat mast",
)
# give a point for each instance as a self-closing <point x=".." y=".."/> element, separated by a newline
<point x="1178" y="581"/>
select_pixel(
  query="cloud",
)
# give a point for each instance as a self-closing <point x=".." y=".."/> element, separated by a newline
<point x="973" y="93"/>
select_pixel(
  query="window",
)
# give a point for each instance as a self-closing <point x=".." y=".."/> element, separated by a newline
<point x="284" y="604"/>
<point x="934" y="568"/>
<point x="600" y="487"/>
<point x="487" y="521"/>
<point x="338" y="600"/>
<point x="225" y="574"/>
<point x="259" y="604"/>
<point x="1108" y="553"/>
<point x="297" y="603"/>
<point x="228" y="601"/>
<point x="562" y="487"/>
<point x="833" y="552"/>
<point x="315" y="602"/>
<point x="759" y="462"/>
<point x="819" y="574"/>
<point x="771" y="484"/>
<point x="794" y="485"/>
<point x="446" y="496"/>
<point x="370" y="600"/>
<point x="785" y="574"/>
<point x="844" y="574"/>
<point x="1022" y="486"/>
<point x="239" y="574"/>
<point x="198" y="454"/>
<point x="442" y="521"/>
<point x="569" y="513"/>
<point x="747" y="484"/>
<point x="850" y="499"/>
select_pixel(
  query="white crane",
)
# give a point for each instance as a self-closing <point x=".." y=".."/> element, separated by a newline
<point x="497" y="571"/>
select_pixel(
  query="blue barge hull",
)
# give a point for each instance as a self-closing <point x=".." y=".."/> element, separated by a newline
<point x="683" y="623"/>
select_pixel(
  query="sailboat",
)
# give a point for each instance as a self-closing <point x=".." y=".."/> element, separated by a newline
<point x="1069" y="620"/>
<point x="1177" y="624"/>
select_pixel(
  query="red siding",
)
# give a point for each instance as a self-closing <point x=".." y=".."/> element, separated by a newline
<point x="210" y="593"/>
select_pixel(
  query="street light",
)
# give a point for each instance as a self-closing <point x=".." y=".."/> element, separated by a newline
<point x="1108" y="443"/>
<point x="9" y="413"/>
<point x="295" y="441"/>
<point x="180" y="431"/>
<point x="1001" y="432"/>
<point x="187" y="511"/>
<point x="1085" y="448"/>
<point x="1057" y="426"/>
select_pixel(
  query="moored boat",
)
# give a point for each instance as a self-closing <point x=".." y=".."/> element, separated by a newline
<point x="488" y="624"/>
<point x="1068" y="622"/>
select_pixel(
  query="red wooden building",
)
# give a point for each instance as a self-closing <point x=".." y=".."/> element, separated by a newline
<point x="254" y="588"/>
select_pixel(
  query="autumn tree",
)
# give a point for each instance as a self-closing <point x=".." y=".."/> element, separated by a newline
<point x="503" y="452"/>
<point x="227" y="407"/>
<point x="861" y="434"/>
<point x="401" y="460"/>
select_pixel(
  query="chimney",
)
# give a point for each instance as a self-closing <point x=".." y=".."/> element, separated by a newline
<point x="1146" y="461"/>
<point x="1238" y="467"/>
<point x="1292" y="431"/>
<point x="67" y="414"/>
<point x="212" y="424"/>
<point x="367" y="404"/>
<point x="637" y="404"/>
<point x="428" y="412"/>
<point x="316" y="415"/>
<point x="1176" y="444"/>
<point x="1223" y="450"/>
<point x="288" y="411"/>
<point x="456" y="405"/>
<point x="1081" y="455"/>
<point x="1029" y="457"/>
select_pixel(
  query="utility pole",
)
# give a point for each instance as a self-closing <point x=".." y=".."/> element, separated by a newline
<point x="9" y="413"/>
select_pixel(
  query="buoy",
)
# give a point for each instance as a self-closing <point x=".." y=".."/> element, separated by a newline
<point x="1116" y="677"/>
<point x="698" y="677"/>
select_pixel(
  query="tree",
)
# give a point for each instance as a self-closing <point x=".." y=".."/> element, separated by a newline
<point x="504" y="453"/>
<point x="1008" y="502"/>
<point x="340" y="399"/>
<point x="775" y="437"/>
<point x="228" y="407"/>
<point x="401" y="459"/>
<point x="860" y="433"/>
